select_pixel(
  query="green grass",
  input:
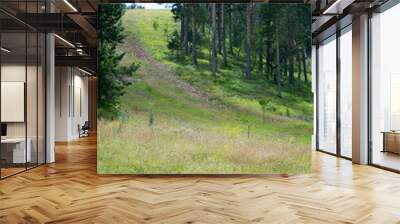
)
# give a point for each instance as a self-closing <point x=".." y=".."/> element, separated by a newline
<point x="153" y="39"/>
<point x="191" y="134"/>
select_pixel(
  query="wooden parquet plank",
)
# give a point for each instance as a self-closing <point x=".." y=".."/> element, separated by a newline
<point x="70" y="191"/>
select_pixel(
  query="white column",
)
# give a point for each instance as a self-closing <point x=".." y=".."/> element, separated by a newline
<point x="50" y="92"/>
<point x="360" y="90"/>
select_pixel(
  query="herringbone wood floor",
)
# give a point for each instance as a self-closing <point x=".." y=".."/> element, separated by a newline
<point x="70" y="191"/>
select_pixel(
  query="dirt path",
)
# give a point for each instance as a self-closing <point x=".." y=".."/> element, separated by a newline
<point x="165" y="72"/>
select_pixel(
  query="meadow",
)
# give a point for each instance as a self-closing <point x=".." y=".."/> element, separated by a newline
<point x="178" y="118"/>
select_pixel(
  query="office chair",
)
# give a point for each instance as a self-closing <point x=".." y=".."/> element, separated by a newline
<point x="84" y="130"/>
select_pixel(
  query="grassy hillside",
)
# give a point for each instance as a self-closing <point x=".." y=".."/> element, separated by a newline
<point x="179" y="119"/>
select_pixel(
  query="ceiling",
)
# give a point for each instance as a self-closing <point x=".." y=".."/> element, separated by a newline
<point x="75" y="21"/>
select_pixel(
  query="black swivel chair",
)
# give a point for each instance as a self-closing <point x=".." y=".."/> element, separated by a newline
<point x="84" y="130"/>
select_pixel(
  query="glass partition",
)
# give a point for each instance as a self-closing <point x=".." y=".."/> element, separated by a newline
<point x="385" y="89"/>
<point x="22" y="88"/>
<point x="13" y="94"/>
<point x="346" y="92"/>
<point x="327" y="95"/>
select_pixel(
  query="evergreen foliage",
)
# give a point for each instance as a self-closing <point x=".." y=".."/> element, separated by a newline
<point x="112" y="77"/>
<point x="269" y="37"/>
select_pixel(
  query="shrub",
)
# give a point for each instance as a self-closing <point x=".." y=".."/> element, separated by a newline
<point x="174" y="42"/>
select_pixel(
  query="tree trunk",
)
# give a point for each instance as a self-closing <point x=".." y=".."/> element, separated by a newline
<point x="260" y="59"/>
<point x="278" y="69"/>
<point x="270" y="49"/>
<point x="230" y="29"/>
<point x="248" y="40"/>
<point x="304" y="56"/>
<point x="268" y="61"/>
<point x="182" y="33"/>
<point x="299" y="71"/>
<point x="194" y="51"/>
<point x="291" y="70"/>
<point x="290" y="54"/>
<point x="185" y="31"/>
<point x="213" y="41"/>
<point x="223" y="34"/>
<point x="219" y="29"/>
<point x="285" y="68"/>
<point x="209" y="33"/>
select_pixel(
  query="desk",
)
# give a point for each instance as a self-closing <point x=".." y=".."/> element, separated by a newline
<point x="391" y="141"/>
<point x="15" y="148"/>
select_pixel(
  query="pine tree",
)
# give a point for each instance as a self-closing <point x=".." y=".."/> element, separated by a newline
<point x="248" y="39"/>
<point x="194" y="51"/>
<point x="213" y="40"/>
<point x="111" y="75"/>
<point x="225" y="61"/>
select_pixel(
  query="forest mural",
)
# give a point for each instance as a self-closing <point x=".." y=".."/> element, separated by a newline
<point x="204" y="88"/>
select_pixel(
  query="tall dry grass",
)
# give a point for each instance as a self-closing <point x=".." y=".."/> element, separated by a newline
<point x="173" y="146"/>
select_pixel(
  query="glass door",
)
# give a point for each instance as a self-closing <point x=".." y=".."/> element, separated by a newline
<point x="385" y="89"/>
<point x="327" y="95"/>
<point x="346" y="92"/>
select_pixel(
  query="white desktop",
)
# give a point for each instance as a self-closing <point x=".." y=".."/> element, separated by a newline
<point x="19" y="155"/>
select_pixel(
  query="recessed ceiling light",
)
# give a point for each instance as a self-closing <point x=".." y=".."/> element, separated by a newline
<point x="70" y="5"/>
<point x="84" y="71"/>
<point x="5" y="50"/>
<point x="79" y="51"/>
<point x="65" y="41"/>
<point x="337" y="7"/>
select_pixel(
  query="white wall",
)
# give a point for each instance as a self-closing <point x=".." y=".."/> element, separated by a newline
<point x="17" y="73"/>
<point x="62" y="81"/>
<point x="33" y="126"/>
<point x="71" y="102"/>
<point x="9" y="73"/>
<point x="80" y="109"/>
